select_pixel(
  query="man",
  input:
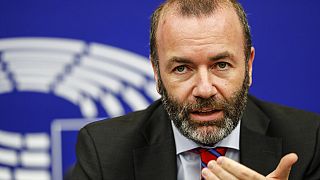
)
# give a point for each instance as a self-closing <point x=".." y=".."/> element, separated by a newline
<point x="202" y="58"/>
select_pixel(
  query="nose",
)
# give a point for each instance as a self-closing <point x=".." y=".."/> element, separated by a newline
<point x="204" y="87"/>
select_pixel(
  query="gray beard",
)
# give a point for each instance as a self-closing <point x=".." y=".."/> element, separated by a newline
<point x="210" y="132"/>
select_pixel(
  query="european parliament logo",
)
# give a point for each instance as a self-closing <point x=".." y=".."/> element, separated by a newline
<point x="50" y="88"/>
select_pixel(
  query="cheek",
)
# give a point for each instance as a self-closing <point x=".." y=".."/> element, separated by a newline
<point x="227" y="87"/>
<point x="179" y="90"/>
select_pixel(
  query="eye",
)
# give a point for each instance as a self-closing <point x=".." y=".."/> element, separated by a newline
<point x="222" y="65"/>
<point x="180" y="69"/>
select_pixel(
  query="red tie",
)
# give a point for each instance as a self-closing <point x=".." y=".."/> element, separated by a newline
<point x="207" y="155"/>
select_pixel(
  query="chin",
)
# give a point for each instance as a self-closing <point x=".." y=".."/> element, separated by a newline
<point x="208" y="135"/>
<point x="207" y="129"/>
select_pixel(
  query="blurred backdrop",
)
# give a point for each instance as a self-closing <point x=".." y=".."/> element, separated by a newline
<point x="66" y="63"/>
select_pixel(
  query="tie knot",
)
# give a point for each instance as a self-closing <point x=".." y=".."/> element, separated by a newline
<point x="218" y="151"/>
<point x="208" y="154"/>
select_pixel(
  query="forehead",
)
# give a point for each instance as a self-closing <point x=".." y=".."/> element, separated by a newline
<point x="223" y="22"/>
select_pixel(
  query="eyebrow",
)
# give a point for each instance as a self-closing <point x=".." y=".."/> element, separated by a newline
<point x="222" y="55"/>
<point x="176" y="59"/>
<point x="183" y="60"/>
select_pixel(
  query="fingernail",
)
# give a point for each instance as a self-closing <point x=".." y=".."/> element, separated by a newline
<point x="220" y="160"/>
<point x="212" y="163"/>
<point x="205" y="172"/>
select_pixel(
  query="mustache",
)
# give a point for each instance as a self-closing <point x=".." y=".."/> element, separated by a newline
<point x="209" y="103"/>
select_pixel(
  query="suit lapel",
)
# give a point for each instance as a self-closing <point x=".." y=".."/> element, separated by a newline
<point x="156" y="160"/>
<point x="257" y="150"/>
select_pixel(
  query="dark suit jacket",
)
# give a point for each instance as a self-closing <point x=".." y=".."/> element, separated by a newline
<point x="141" y="146"/>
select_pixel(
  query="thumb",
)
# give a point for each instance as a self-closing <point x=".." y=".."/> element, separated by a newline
<point x="284" y="167"/>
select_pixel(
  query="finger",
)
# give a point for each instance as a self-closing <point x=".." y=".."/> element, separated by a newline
<point x="219" y="171"/>
<point x="284" y="167"/>
<point x="208" y="175"/>
<point x="238" y="170"/>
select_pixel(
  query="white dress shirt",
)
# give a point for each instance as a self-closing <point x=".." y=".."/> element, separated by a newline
<point x="188" y="163"/>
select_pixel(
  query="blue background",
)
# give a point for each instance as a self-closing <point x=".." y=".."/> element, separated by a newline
<point x="285" y="35"/>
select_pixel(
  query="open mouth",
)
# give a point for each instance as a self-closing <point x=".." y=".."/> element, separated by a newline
<point x="206" y="114"/>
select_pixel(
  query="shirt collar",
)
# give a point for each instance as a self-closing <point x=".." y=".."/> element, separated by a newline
<point x="184" y="144"/>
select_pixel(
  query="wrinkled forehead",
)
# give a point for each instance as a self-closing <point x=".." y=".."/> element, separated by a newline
<point x="173" y="11"/>
<point x="220" y="26"/>
<point x="178" y="14"/>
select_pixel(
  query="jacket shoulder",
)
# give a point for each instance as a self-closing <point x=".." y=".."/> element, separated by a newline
<point x="125" y="124"/>
<point x="281" y="112"/>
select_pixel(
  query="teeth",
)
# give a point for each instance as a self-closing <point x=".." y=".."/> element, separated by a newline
<point x="204" y="111"/>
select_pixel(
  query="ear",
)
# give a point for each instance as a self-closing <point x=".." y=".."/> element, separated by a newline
<point x="155" y="73"/>
<point x="250" y="62"/>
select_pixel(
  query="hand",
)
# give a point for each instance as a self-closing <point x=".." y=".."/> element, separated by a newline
<point x="225" y="168"/>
